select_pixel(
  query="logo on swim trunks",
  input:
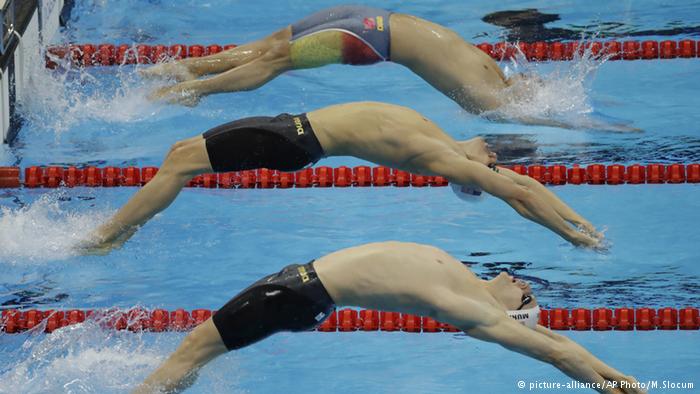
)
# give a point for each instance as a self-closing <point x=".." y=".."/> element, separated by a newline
<point x="297" y="124"/>
<point x="380" y="23"/>
<point x="369" y="23"/>
<point x="304" y="275"/>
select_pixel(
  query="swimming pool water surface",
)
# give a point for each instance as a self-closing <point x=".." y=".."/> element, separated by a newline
<point x="211" y="243"/>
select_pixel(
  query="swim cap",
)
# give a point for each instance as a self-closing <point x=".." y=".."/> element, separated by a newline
<point x="527" y="317"/>
<point x="467" y="193"/>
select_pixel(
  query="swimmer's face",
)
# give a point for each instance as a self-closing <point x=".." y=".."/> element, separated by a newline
<point x="512" y="292"/>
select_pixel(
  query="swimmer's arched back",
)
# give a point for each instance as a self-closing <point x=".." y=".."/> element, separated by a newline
<point x="355" y="35"/>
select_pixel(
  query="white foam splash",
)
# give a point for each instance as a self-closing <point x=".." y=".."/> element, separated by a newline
<point x="43" y="230"/>
<point x="87" y="358"/>
<point x="79" y="359"/>
<point x="56" y="100"/>
<point x="560" y="96"/>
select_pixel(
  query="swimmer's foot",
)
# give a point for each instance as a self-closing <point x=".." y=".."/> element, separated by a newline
<point x="97" y="247"/>
<point x="176" y="71"/>
<point x="176" y="94"/>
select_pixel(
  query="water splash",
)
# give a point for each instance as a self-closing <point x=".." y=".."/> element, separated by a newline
<point x="79" y="358"/>
<point x="44" y="230"/>
<point x="89" y="358"/>
<point x="56" y="100"/>
<point x="560" y="97"/>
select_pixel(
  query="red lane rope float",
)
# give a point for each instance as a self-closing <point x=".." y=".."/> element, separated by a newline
<point x="345" y="320"/>
<point x="84" y="55"/>
<point x="359" y="176"/>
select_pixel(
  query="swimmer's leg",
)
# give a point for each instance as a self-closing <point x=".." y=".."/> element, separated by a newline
<point x="185" y="160"/>
<point x="248" y="76"/>
<point x="188" y="69"/>
<point x="179" y="371"/>
<point x="329" y="46"/>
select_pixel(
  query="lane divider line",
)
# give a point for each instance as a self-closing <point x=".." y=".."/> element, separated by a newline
<point x="346" y="320"/>
<point x="85" y="55"/>
<point x="359" y="176"/>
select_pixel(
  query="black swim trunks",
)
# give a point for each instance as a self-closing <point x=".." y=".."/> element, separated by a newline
<point x="285" y="142"/>
<point x="293" y="299"/>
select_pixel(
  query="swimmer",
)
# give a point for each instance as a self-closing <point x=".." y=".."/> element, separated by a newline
<point x="385" y="134"/>
<point x="393" y="276"/>
<point x="359" y="35"/>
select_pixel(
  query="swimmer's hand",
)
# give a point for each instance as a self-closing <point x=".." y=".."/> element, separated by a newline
<point x="584" y="240"/>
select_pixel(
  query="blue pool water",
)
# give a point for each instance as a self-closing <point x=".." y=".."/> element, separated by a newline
<point x="211" y="243"/>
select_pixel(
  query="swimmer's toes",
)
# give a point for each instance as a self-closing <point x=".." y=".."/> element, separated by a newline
<point x="186" y="99"/>
<point x="152" y="72"/>
<point x="184" y="76"/>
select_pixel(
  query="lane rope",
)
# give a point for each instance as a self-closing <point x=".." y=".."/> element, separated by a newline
<point x="85" y="55"/>
<point x="347" y="320"/>
<point x="359" y="176"/>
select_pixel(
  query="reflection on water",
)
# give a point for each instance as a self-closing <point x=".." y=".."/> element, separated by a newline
<point x="529" y="25"/>
<point x="634" y="291"/>
<point x="524" y="148"/>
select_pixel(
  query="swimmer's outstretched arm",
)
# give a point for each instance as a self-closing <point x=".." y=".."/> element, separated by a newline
<point x="554" y="349"/>
<point x="565" y="211"/>
<point x="608" y="372"/>
<point x="527" y="201"/>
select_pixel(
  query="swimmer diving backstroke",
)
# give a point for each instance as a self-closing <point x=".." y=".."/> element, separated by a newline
<point x="385" y="134"/>
<point x="393" y="276"/>
<point x="361" y="35"/>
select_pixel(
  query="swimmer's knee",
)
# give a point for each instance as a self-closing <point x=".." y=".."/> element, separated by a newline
<point x="280" y="36"/>
<point x="277" y="56"/>
<point x="179" y="159"/>
<point x="176" y="146"/>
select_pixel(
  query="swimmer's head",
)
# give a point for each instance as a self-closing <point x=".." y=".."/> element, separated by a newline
<point x="516" y="295"/>
<point x="523" y="88"/>
<point x="523" y="81"/>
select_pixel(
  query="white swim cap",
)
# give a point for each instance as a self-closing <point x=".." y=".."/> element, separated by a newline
<point x="466" y="193"/>
<point x="528" y="317"/>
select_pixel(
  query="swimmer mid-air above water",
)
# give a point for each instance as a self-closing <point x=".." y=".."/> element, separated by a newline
<point x="423" y="281"/>
<point x="362" y="35"/>
<point x="385" y="134"/>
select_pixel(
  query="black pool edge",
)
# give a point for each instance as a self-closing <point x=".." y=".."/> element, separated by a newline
<point x="34" y="21"/>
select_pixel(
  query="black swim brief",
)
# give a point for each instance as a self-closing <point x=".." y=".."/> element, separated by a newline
<point x="285" y="142"/>
<point x="293" y="299"/>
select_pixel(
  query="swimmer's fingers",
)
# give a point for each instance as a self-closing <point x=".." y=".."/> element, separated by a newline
<point x="586" y="227"/>
<point x="585" y="241"/>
